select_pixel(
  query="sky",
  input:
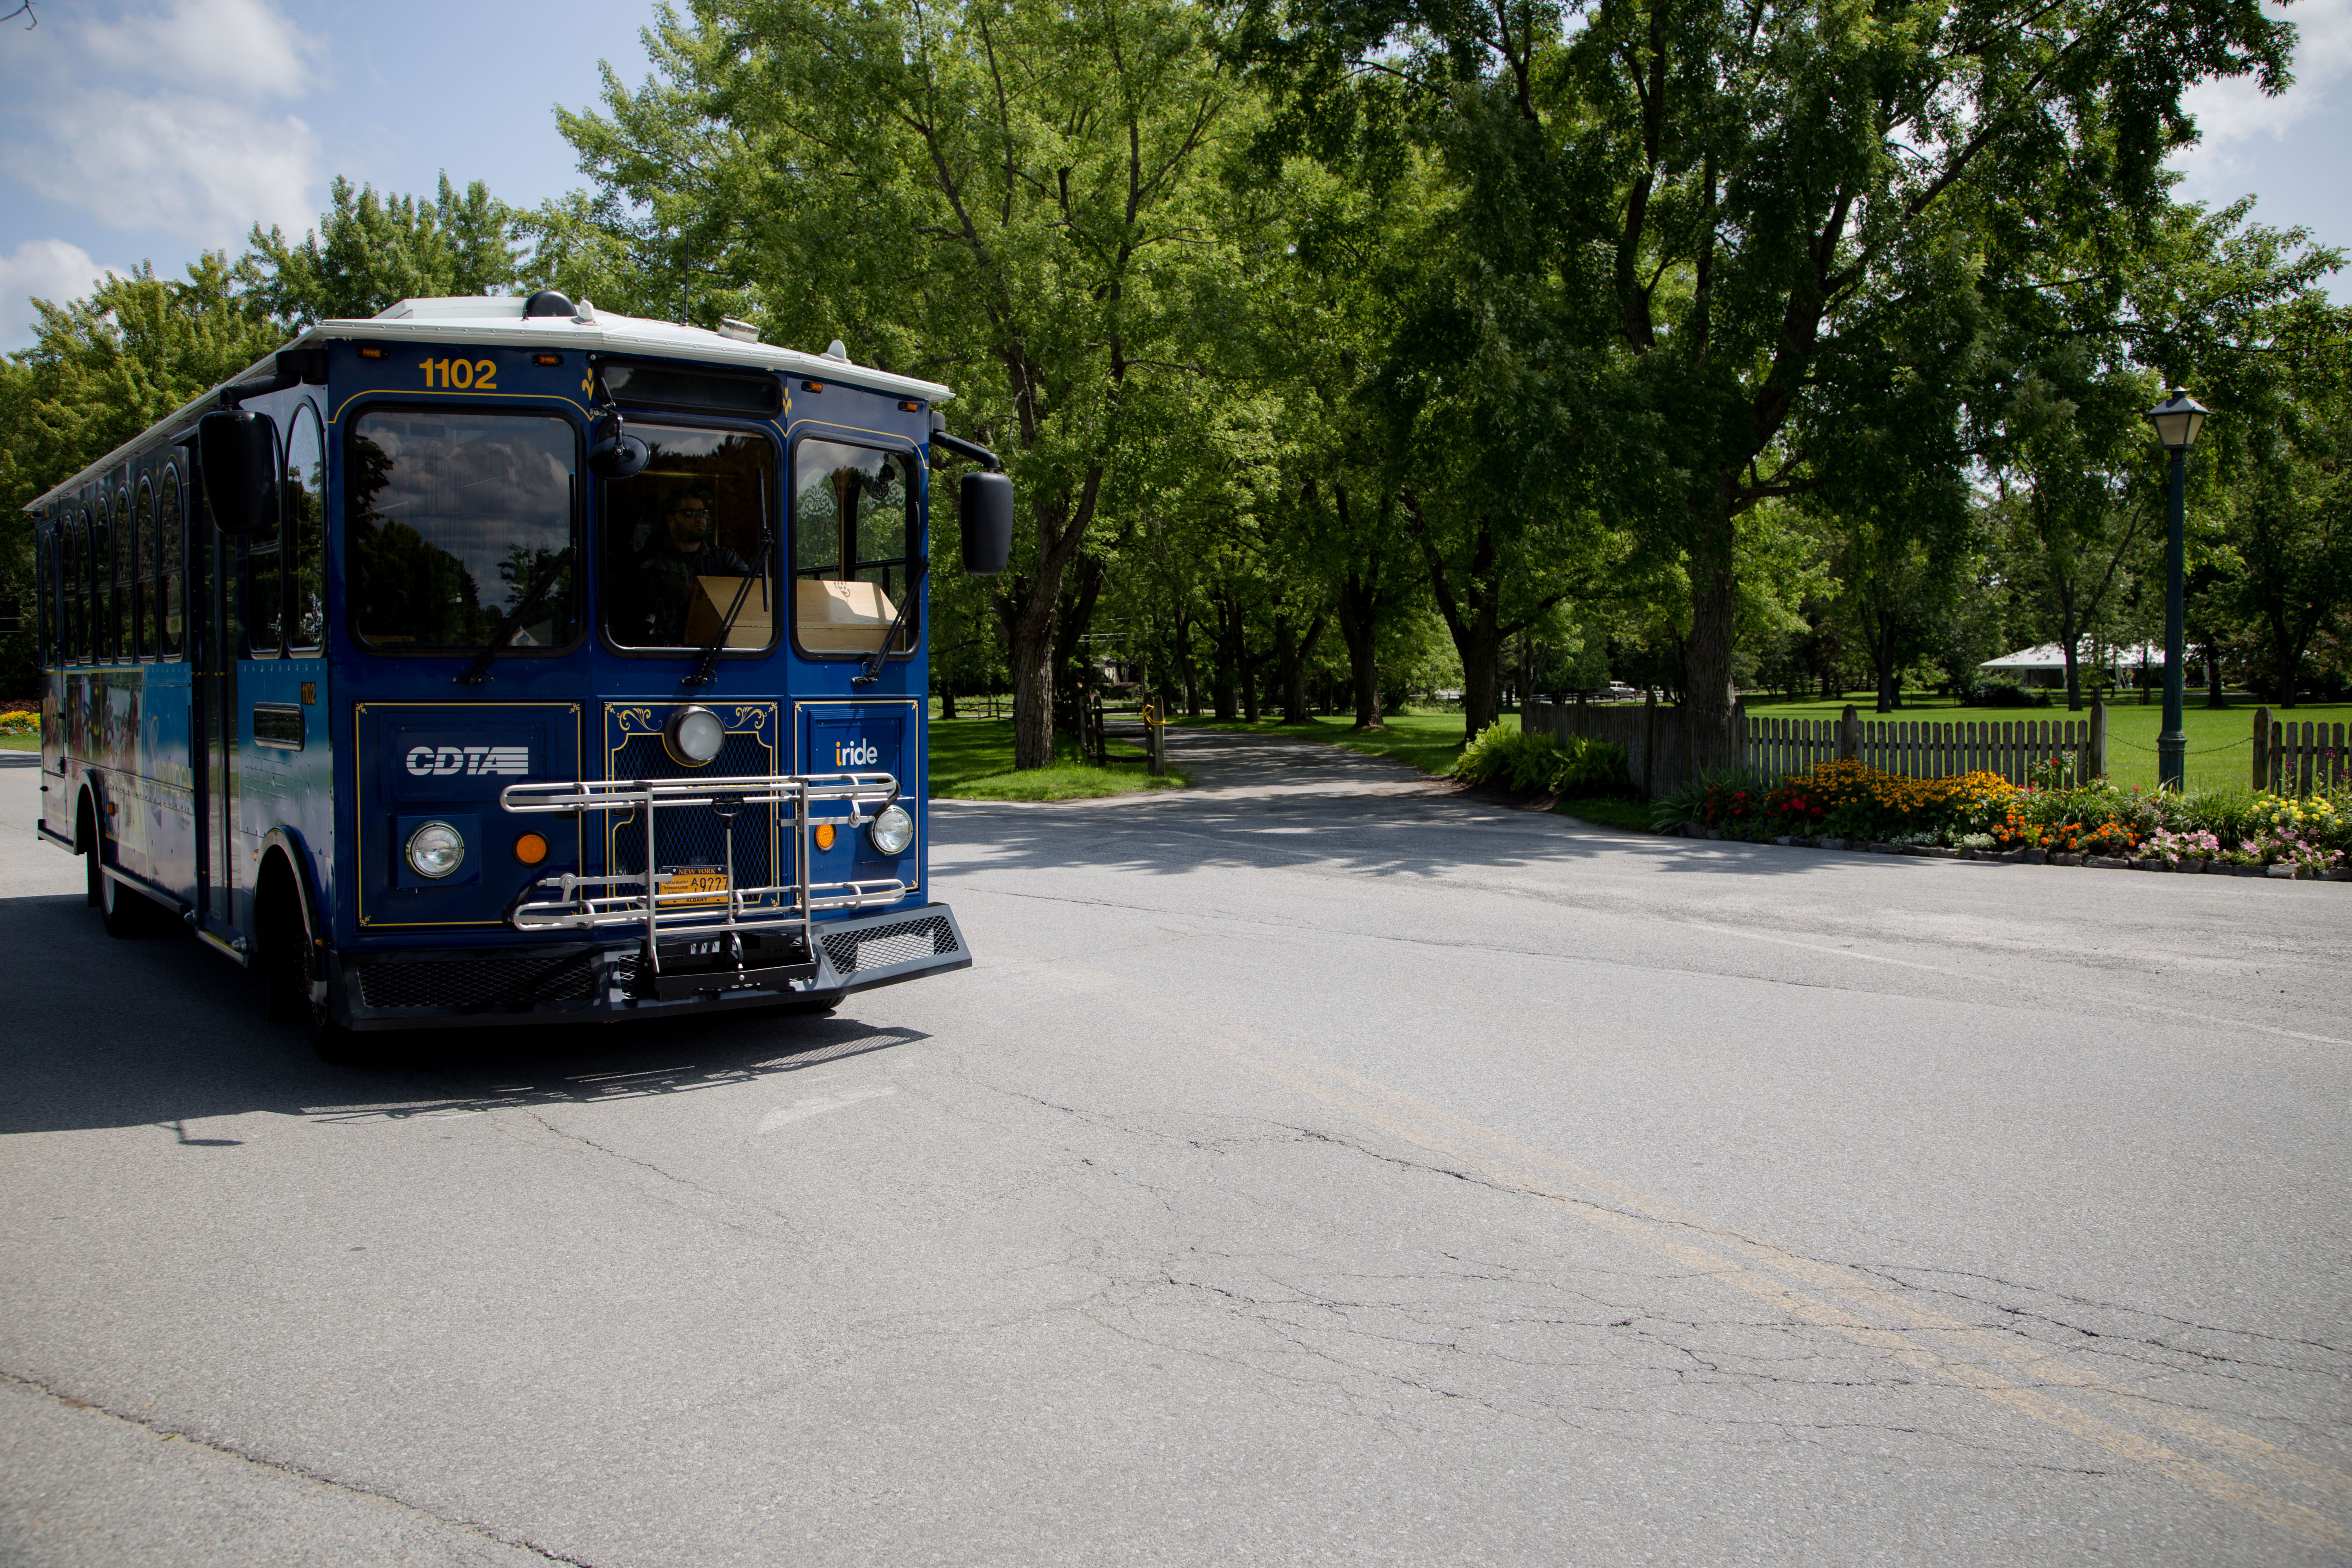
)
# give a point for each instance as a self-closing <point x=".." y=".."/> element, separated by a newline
<point x="153" y="130"/>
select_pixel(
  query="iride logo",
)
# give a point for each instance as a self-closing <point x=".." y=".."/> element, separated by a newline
<point x="856" y="755"/>
<point x="443" y="762"/>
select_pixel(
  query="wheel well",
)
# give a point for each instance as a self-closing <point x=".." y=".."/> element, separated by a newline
<point x="85" y="823"/>
<point x="277" y="902"/>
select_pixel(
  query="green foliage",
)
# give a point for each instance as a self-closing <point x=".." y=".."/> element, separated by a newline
<point x="1541" y="764"/>
<point x="371" y="251"/>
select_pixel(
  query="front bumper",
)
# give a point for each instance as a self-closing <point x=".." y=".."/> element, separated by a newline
<point x="590" y="982"/>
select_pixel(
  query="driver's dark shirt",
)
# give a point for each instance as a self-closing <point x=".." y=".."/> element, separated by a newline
<point x="663" y="586"/>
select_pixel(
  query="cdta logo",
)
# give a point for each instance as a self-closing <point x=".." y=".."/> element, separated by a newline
<point x="856" y="755"/>
<point x="442" y="761"/>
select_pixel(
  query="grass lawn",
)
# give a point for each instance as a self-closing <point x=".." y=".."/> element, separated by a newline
<point x="971" y="759"/>
<point x="2220" y="739"/>
<point x="20" y="743"/>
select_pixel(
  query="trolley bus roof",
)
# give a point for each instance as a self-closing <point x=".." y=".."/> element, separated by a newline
<point x="500" y="319"/>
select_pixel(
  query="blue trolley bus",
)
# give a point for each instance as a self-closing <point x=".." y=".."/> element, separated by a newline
<point x="503" y="660"/>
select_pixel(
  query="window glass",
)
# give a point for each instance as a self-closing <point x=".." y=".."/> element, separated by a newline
<point x="123" y="647"/>
<point x="686" y="539"/>
<point x="142" y="589"/>
<point x="305" y="493"/>
<point x="101" y="586"/>
<point x="78" y="590"/>
<point x="853" y="510"/>
<point x="453" y="517"/>
<point x="44" y="587"/>
<point x="172" y="598"/>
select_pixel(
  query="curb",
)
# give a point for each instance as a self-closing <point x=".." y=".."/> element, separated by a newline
<point x="2036" y="857"/>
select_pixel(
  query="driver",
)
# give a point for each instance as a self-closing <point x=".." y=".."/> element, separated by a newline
<point x="682" y="550"/>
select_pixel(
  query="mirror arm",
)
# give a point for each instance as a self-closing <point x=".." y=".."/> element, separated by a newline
<point x="972" y="450"/>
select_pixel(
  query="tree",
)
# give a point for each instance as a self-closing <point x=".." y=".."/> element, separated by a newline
<point x="1763" y="222"/>
<point x="1008" y="193"/>
<point x="371" y="251"/>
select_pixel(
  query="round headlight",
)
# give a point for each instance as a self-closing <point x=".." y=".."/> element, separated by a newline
<point x="892" y="830"/>
<point x="436" y="849"/>
<point x="693" y="736"/>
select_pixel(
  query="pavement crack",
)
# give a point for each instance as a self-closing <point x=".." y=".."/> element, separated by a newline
<point x="295" y="1470"/>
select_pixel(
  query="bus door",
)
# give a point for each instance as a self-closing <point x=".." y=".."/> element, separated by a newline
<point x="215" y="726"/>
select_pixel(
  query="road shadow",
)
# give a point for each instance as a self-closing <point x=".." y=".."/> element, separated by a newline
<point x="1375" y="836"/>
<point x="163" y="1032"/>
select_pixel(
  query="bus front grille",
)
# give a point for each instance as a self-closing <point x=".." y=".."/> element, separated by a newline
<point x="479" y="984"/>
<point x="878" y="947"/>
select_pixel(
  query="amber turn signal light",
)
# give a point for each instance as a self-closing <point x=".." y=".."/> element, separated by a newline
<point x="531" y="848"/>
<point x="824" y="834"/>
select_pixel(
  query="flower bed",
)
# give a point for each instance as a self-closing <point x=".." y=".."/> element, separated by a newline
<point x="1851" y="802"/>
<point x="19" y="722"/>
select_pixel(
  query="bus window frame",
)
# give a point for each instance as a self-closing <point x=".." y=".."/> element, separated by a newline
<point x="919" y="534"/>
<point x="77" y="568"/>
<point x="246" y="552"/>
<point x="289" y="560"/>
<point x="779" y="453"/>
<point x="335" y="545"/>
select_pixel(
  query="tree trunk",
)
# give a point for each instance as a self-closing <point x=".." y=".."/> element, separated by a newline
<point x="1184" y="664"/>
<point x="1881" y="659"/>
<point x="1295" y="656"/>
<point x="1225" y="681"/>
<point x="1708" y="696"/>
<point x="2069" y="639"/>
<point x="947" y="700"/>
<point x="1025" y="610"/>
<point x="1359" y="630"/>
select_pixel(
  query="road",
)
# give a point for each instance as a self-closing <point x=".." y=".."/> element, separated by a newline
<point x="1348" y="1173"/>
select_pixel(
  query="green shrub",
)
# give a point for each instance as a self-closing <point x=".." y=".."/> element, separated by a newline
<point x="2003" y="694"/>
<point x="1540" y="764"/>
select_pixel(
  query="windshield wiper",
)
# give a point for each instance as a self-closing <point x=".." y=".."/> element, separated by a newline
<point x="478" y="670"/>
<point x="873" y="670"/>
<point x="703" y="672"/>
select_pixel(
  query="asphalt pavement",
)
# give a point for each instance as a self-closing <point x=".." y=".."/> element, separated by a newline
<point x="1322" y="1166"/>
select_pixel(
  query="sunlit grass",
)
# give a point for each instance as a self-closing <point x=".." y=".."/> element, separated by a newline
<point x="971" y="759"/>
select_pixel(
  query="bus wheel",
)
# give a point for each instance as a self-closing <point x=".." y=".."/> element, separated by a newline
<point x="297" y="975"/>
<point x="125" y="912"/>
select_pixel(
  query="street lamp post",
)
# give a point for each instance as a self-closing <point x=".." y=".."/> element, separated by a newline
<point x="2178" y="419"/>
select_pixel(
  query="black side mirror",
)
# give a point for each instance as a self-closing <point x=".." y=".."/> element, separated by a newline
<point x="986" y="505"/>
<point x="616" y="454"/>
<point x="237" y="450"/>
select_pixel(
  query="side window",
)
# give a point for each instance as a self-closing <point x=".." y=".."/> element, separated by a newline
<point x="44" y="587"/>
<point x="77" y="565"/>
<point x="142" y="571"/>
<point x="689" y="541"/>
<point x="304" y="491"/>
<point x="264" y="593"/>
<point x="124" y="647"/>
<point x="853" y="517"/>
<point x="102" y="585"/>
<point x="171" y="581"/>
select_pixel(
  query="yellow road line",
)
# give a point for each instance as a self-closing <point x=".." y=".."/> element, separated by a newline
<point x="1659" y="1226"/>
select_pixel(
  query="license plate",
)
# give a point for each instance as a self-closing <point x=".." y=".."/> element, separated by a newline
<point x="695" y="880"/>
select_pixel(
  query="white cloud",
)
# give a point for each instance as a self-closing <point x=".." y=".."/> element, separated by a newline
<point x="47" y="270"/>
<point x="2232" y="114"/>
<point x="158" y="117"/>
<point x="200" y="168"/>
<point x="239" y="47"/>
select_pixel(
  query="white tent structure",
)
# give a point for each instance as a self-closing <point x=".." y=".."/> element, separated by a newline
<point x="2046" y="665"/>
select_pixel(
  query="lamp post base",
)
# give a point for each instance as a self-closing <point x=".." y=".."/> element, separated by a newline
<point x="2171" y="761"/>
